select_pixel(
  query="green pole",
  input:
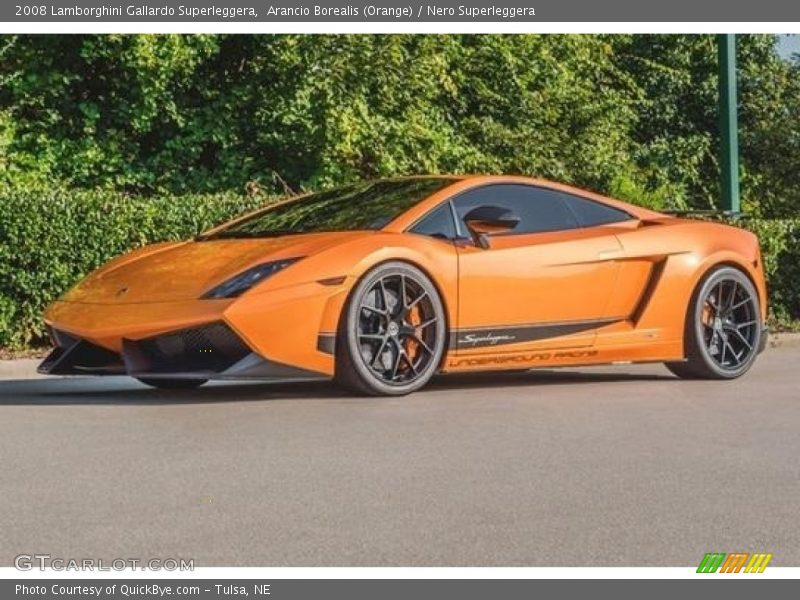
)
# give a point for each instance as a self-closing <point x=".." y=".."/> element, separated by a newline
<point x="728" y="123"/>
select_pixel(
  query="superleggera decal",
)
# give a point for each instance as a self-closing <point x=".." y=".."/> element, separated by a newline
<point x="485" y="339"/>
<point x="496" y="336"/>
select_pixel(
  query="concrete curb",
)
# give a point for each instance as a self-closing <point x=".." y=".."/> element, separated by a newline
<point x="19" y="368"/>
<point x="776" y="340"/>
<point x="25" y="368"/>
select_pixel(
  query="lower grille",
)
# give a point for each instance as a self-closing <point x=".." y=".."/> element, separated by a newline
<point x="213" y="347"/>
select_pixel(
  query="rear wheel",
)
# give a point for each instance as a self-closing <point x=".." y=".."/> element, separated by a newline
<point x="172" y="384"/>
<point x="392" y="334"/>
<point x="723" y="327"/>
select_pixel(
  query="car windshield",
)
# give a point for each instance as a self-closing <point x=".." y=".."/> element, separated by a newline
<point x="367" y="205"/>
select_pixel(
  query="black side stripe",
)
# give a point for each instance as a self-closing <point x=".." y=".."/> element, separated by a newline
<point x="498" y="336"/>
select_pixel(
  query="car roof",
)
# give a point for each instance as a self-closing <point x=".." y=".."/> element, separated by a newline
<point x="463" y="183"/>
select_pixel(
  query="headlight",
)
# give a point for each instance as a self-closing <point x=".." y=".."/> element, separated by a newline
<point x="239" y="284"/>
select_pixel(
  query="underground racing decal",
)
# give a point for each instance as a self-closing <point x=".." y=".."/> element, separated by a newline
<point x="529" y="357"/>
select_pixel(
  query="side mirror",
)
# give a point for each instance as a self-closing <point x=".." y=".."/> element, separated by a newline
<point x="483" y="221"/>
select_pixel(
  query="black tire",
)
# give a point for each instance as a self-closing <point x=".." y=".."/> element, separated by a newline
<point x="723" y="327"/>
<point x="172" y="384"/>
<point x="383" y="347"/>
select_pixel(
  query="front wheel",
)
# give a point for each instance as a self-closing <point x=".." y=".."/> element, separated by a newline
<point x="392" y="334"/>
<point x="723" y="328"/>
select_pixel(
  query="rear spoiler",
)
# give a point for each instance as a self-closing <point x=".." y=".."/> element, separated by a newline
<point x="706" y="214"/>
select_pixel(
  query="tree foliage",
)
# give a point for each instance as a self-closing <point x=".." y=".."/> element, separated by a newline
<point x="50" y="238"/>
<point x="633" y="115"/>
<point x="109" y="142"/>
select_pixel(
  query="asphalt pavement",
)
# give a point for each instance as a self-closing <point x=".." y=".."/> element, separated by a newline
<point x="573" y="467"/>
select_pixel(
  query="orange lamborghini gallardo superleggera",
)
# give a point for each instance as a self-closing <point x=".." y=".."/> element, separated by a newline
<point x="381" y="284"/>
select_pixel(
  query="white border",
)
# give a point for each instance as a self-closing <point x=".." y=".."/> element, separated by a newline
<point x="396" y="27"/>
<point x="269" y="573"/>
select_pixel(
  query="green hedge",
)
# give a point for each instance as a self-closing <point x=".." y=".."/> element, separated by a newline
<point x="50" y="239"/>
<point x="780" y="247"/>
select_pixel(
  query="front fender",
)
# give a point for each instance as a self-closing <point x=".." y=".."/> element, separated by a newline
<point x="284" y="320"/>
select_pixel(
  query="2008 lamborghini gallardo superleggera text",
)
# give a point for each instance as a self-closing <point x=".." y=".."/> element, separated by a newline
<point x="384" y="283"/>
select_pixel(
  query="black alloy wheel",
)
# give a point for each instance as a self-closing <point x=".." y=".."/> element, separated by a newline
<point x="723" y="327"/>
<point x="393" y="333"/>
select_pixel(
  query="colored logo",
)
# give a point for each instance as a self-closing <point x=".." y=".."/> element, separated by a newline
<point x="736" y="562"/>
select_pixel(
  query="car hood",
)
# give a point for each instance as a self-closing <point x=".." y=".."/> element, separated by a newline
<point x="175" y="271"/>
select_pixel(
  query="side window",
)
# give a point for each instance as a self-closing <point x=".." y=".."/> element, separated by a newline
<point x="590" y="213"/>
<point x="539" y="209"/>
<point x="438" y="223"/>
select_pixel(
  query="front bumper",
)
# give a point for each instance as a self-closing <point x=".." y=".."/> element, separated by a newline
<point x="106" y="325"/>
<point x="208" y="351"/>
<point x="282" y="326"/>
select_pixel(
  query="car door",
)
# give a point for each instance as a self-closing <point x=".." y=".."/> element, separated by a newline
<point x="545" y="284"/>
